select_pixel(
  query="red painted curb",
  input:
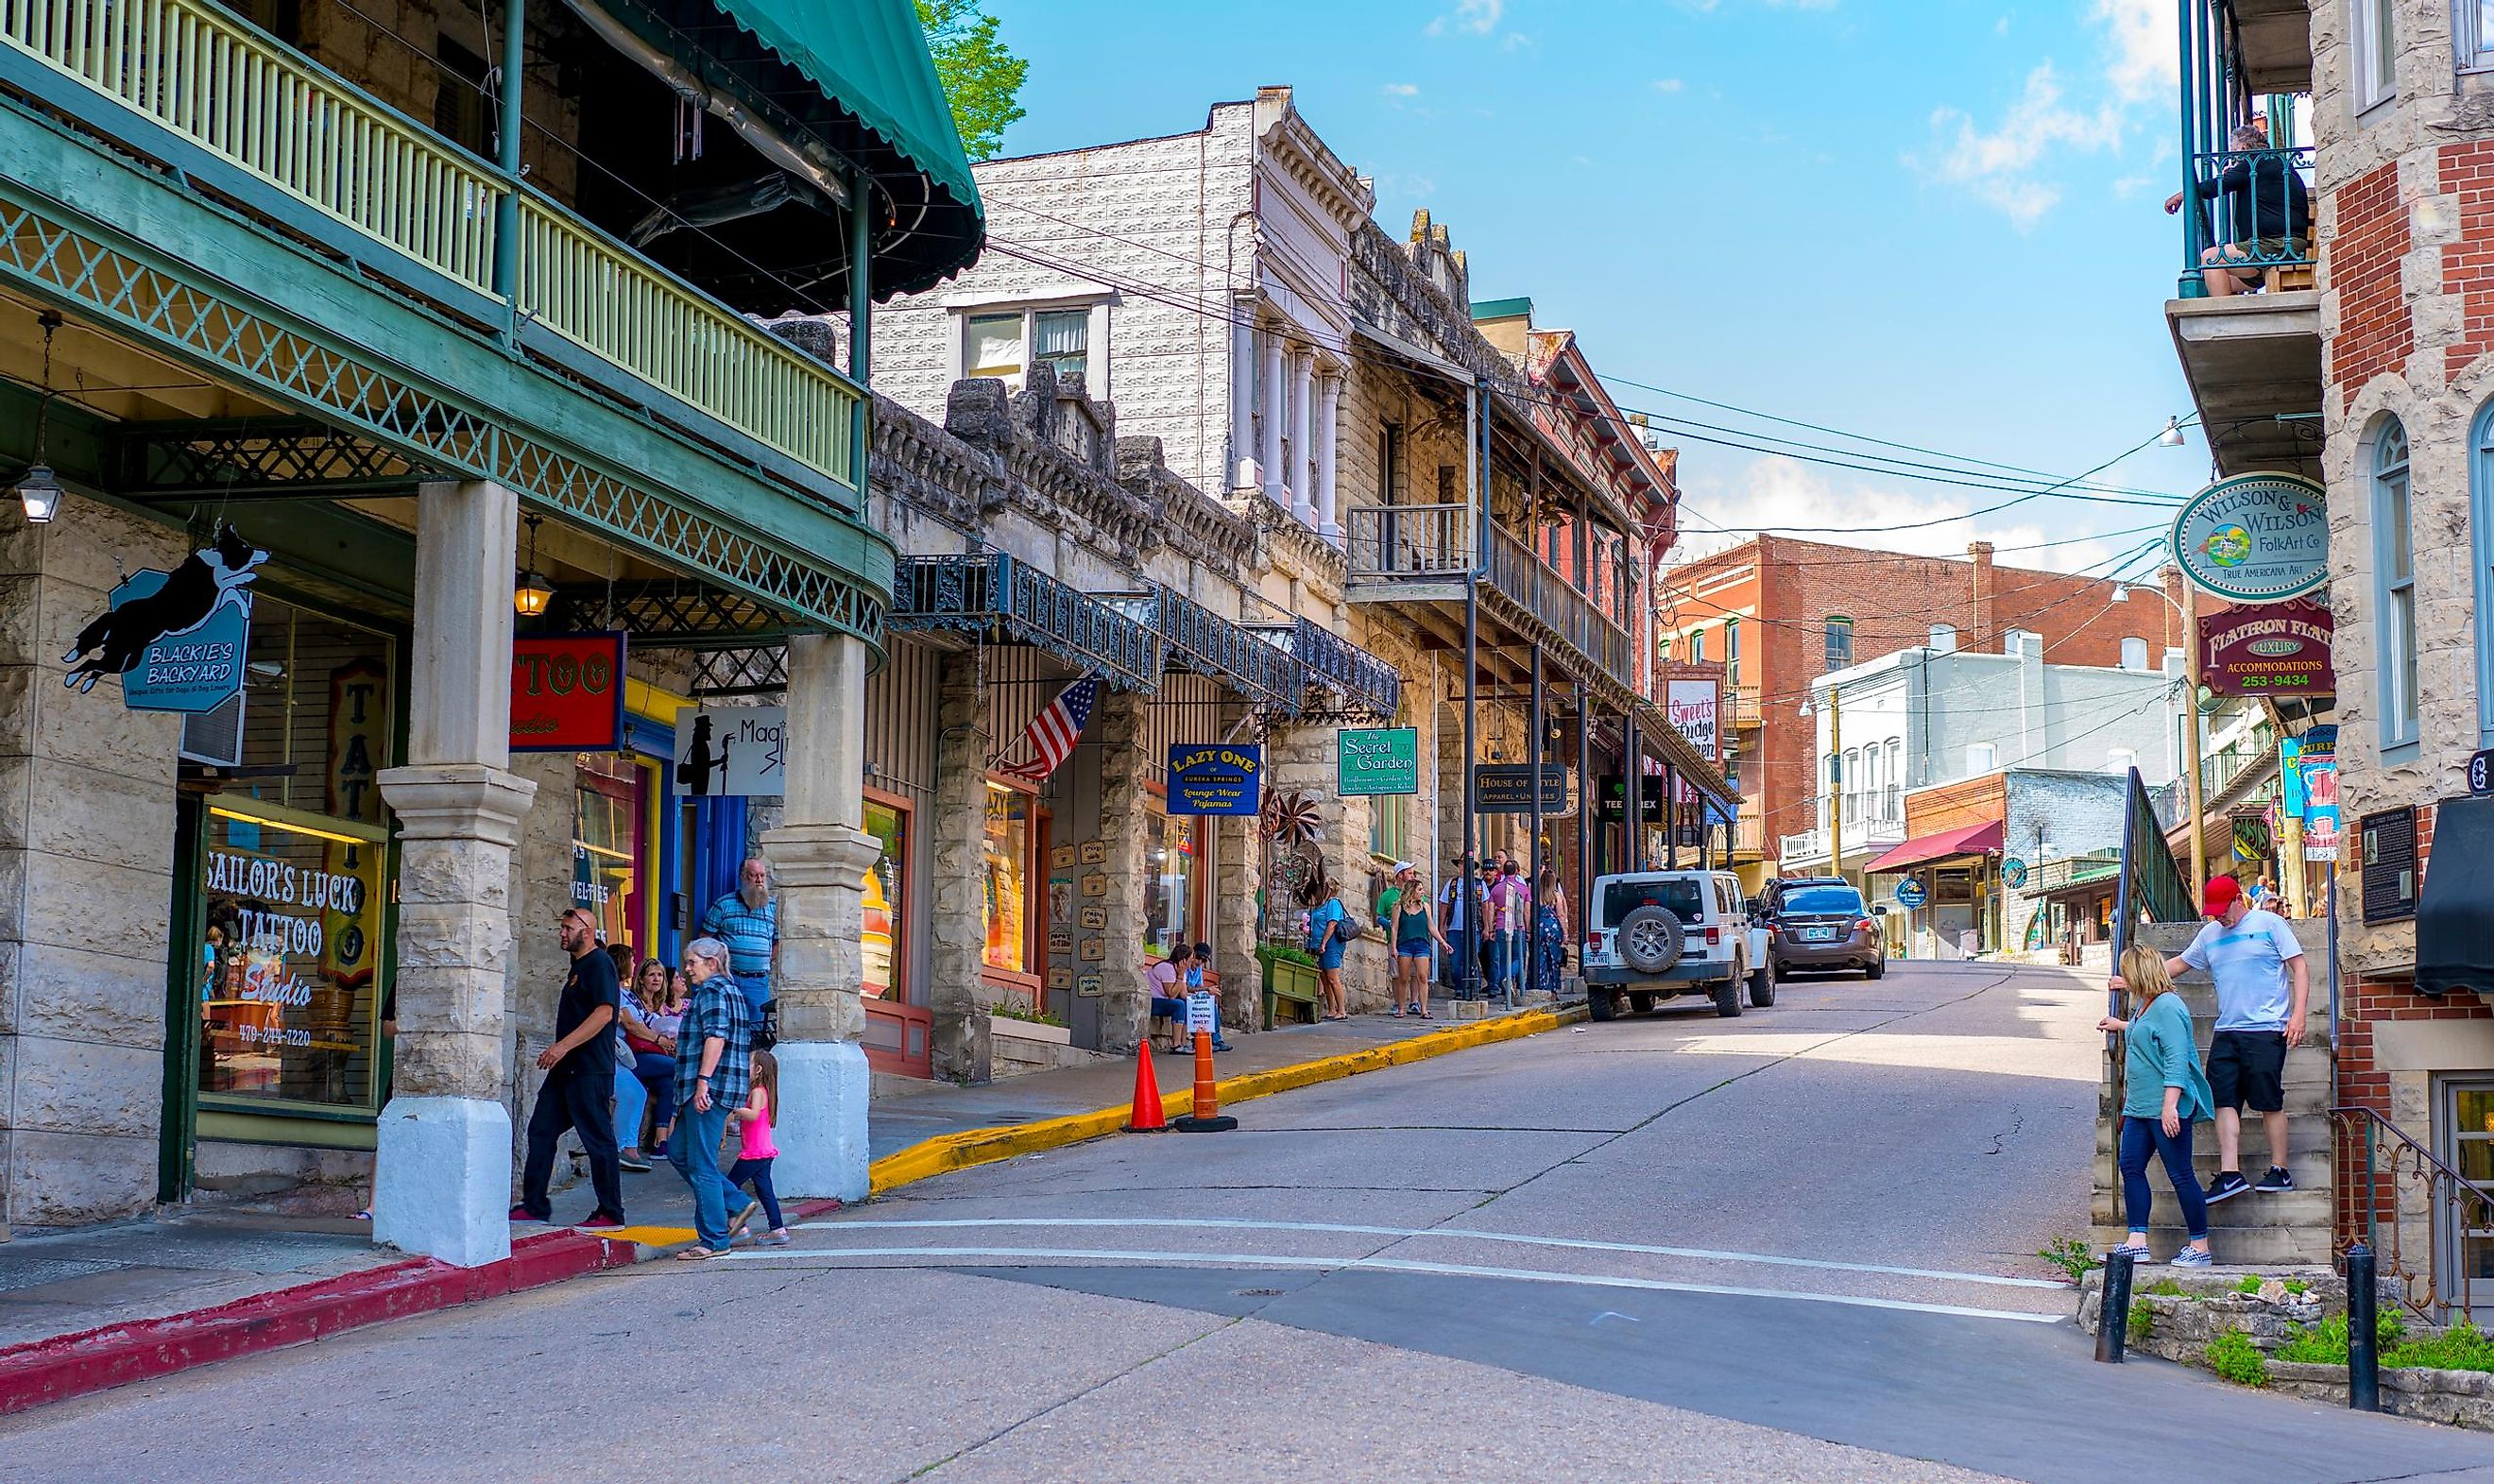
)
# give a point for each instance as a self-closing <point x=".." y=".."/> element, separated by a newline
<point x="64" y="1366"/>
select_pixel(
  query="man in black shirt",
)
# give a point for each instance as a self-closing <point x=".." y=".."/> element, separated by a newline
<point x="580" y="1080"/>
<point x="2263" y="214"/>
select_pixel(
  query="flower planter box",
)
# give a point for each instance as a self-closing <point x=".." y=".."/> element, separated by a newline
<point x="1291" y="992"/>
<point x="1031" y="1030"/>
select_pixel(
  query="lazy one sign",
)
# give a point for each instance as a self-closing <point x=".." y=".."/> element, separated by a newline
<point x="2267" y="649"/>
<point x="177" y="639"/>
<point x="1212" y="779"/>
<point x="736" y="752"/>
<point x="2254" y="538"/>
<point x="567" y="692"/>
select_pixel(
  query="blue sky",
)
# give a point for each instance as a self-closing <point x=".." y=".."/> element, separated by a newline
<point x="1931" y="221"/>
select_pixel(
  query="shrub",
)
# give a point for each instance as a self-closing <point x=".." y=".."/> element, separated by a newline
<point x="2463" y="1346"/>
<point x="2234" y="1357"/>
<point x="2326" y="1344"/>
<point x="2248" y="1284"/>
<point x="2070" y="1256"/>
<point x="2164" y="1288"/>
<point x="2143" y="1321"/>
<point x="2298" y="1287"/>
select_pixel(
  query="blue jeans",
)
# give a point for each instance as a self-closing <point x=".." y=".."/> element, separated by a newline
<point x="2137" y="1136"/>
<point x="694" y="1152"/>
<point x="631" y="1101"/>
<point x="758" y="1171"/>
<point x="1512" y="960"/>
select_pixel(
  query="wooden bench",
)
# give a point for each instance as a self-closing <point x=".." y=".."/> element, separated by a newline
<point x="2289" y="277"/>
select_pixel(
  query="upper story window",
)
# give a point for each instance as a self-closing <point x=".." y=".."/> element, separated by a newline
<point x="2134" y="655"/>
<point x="2472" y="35"/>
<point x="2374" y="49"/>
<point x="1981" y="758"/>
<point x="1732" y="651"/>
<point x="1840" y="641"/>
<point x="1006" y="343"/>
<point x="1697" y="646"/>
<point x="1944" y="636"/>
<point x="2395" y="584"/>
<point x="2015" y="641"/>
<point x="2120" y="760"/>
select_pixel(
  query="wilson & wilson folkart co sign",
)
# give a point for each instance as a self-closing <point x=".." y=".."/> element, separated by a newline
<point x="2254" y="538"/>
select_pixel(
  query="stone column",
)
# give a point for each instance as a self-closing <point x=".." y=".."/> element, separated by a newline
<point x="1242" y="399"/>
<point x="1237" y="870"/>
<point x="1269" y="448"/>
<point x="1125" y="821"/>
<point x="1328" y="414"/>
<point x="442" y="1180"/>
<point x="960" y="1048"/>
<point x="1303" y="365"/>
<point x="820" y="856"/>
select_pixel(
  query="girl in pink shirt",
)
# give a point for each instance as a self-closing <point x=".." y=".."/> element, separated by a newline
<point x="754" y="1155"/>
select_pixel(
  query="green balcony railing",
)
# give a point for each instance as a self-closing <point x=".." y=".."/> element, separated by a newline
<point x="215" y="81"/>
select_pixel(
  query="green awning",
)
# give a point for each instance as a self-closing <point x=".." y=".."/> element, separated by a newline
<point x="869" y="57"/>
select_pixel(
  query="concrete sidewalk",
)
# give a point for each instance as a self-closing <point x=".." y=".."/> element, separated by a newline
<point x="181" y="1264"/>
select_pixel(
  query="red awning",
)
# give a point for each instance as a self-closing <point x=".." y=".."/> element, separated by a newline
<point x="1923" y="849"/>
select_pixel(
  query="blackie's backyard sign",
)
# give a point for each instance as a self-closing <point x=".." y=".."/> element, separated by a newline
<point x="178" y="640"/>
<point x="2267" y="649"/>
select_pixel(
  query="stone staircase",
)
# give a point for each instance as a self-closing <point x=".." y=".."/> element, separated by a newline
<point x="2252" y="1229"/>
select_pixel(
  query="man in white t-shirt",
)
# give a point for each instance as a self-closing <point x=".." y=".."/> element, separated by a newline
<point x="2263" y="987"/>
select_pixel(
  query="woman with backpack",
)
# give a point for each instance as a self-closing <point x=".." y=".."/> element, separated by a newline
<point x="1329" y="933"/>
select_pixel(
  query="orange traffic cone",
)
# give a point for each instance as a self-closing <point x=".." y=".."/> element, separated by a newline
<point x="1207" y="1117"/>
<point x="1147" y="1117"/>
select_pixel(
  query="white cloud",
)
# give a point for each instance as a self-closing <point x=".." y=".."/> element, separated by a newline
<point x="1401" y="90"/>
<point x="2002" y="165"/>
<point x="1668" y="84"/>
<point x="1479" y="17"/>
<point x="1775" y="491"/>
<point x="2146" y="62"/>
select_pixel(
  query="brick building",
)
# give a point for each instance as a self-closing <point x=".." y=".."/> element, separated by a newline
<point x="1777" y="613"/>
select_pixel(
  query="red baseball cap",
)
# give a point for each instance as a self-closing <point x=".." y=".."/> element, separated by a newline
<point x="2221" y="893"/>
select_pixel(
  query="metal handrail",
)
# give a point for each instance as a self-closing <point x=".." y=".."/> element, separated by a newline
<point x="1408" y="542"/>
<point x="2395" y="1163"/>
<point x="1536" y="586"/>
<point x="212" y="78"/>
<point x="2230" y="191"/>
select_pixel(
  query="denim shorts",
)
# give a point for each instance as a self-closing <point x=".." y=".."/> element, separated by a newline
<point x="1423" y="948"/>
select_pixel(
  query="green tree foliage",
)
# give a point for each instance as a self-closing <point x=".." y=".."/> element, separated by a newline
<point x="981" y="76"/>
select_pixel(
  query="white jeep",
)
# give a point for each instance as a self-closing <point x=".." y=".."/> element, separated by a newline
<point x="1654" y="934"/>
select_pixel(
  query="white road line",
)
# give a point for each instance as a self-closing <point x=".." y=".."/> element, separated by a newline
<point x="1236" y="1224"/>
<point x="836" y="1257"/>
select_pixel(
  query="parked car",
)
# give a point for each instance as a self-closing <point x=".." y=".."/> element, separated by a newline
<point x="1649" y="935"/>
<point x="1823" y="925"/>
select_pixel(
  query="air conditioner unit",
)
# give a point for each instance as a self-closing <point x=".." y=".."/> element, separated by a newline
<point x="214" y="736"/>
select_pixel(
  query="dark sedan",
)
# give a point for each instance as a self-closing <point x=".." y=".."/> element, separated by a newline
<point x="1826" y="927"/>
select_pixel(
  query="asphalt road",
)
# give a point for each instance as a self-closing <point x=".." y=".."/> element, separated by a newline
<point x="1796" y="1245"/>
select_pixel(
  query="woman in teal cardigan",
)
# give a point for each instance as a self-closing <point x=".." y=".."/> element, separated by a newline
<point x="2165" y="1090"/>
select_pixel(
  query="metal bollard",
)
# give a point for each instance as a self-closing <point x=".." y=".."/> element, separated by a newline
<point x="2363" y="1333"/>
<point x="2112" y="1315"/>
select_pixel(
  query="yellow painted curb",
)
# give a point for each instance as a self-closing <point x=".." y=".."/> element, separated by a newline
<point x="948" y="1152"/>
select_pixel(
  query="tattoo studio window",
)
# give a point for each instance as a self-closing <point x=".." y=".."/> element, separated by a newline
<point x="609" y="845"/>
<point x="294" y="872"/>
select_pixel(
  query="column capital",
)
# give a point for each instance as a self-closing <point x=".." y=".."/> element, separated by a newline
<point x="820" y="854"/>
<point x="457" y="802"/>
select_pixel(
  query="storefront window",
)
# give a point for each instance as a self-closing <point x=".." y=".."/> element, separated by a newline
<point x="1172" y="862"/>
<point x="290" y="966"/>
<point x="886" y="888"/>
<point x="294" y="870"/>
<point x="610" y="800"/>
<point x="1004" y="863"/>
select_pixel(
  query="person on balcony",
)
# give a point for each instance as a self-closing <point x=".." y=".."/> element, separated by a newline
<point x="2265" y="208"/>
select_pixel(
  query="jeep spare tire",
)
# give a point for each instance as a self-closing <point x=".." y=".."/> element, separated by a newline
<point x="1651" y="939"/>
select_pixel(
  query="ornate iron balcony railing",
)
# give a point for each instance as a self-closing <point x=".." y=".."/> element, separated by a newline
<point x="1007" y="601"/>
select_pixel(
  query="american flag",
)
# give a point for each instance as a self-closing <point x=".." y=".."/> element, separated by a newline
<point x="1050" y="736"/>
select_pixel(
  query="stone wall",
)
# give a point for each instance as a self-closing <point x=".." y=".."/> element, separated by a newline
<point x="86" y="832"/>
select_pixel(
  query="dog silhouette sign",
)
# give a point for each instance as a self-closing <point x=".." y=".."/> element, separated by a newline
<point x="178" y="640"/>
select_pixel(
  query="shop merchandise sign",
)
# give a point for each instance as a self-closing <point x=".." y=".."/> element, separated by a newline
<point x="567" y="692"/>
<point x="1506" y="788"/>
<point x="1614" y="805"/>
<point x="2317" y="761"/>
<point x="178" y="640"/>
<point x="1377" y="760"/>
<point x="2013" y="873"/>
<point x="731" y="752"/>
<point x="2267" y="649"/>
<point x="1215" y="779"/>
<point x="1911" y="893"/>
<point x="2254" y="538"/>
<point x="1692" y="708"/>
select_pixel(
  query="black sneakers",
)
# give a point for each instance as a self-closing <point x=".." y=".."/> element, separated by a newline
<point x="2228" y="1185"/>
<point x="2276" y="1179"/>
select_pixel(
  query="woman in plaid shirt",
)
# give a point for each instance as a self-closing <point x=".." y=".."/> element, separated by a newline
<point x="714" y="1074"/>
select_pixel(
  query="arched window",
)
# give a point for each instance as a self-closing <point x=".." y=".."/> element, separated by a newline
<point x="2134" y="655"/>
<point x="2394" y="586"/>
<point x="2480" y="500"/>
